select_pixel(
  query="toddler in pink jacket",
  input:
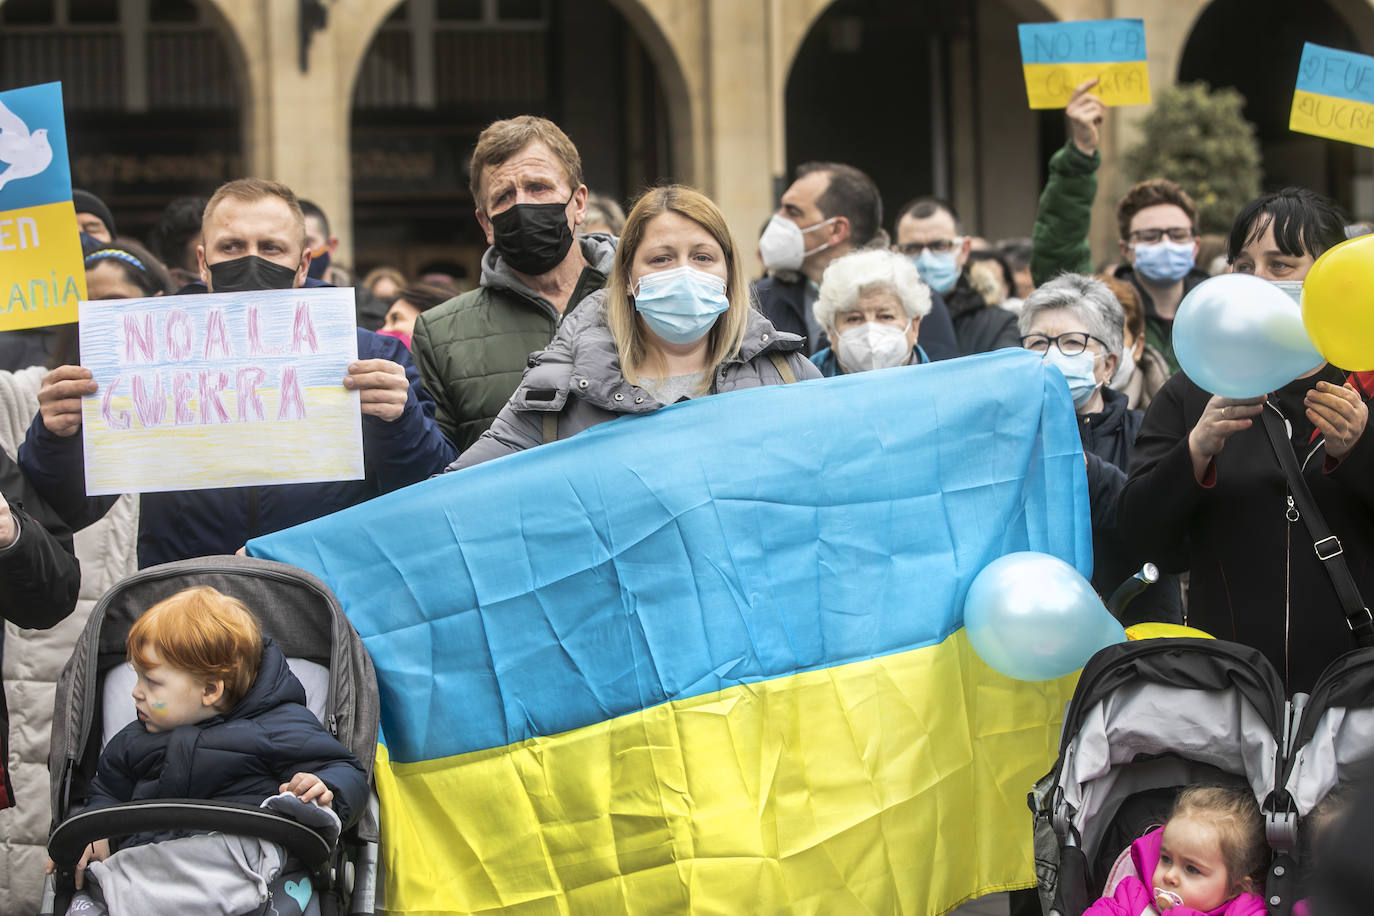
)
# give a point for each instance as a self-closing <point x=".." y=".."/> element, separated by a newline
<point x="1207" y="860"/>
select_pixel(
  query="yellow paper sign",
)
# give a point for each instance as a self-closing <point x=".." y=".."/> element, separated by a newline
<point x="42" y="276"/>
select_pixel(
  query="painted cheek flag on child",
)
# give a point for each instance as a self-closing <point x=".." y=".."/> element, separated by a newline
<point x="1334" y="97"/>
<point x="712" y="659"/>
<point x="1057" y="56"/>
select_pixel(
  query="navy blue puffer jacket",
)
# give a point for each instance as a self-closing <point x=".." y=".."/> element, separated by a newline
<point x="243" y="755"/>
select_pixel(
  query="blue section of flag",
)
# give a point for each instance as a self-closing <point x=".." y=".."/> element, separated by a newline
<point x="722" y="541"/>
<point x="39" y="108"/>
<point x="1341" y="74"/>
<point x="1087" y="42"/>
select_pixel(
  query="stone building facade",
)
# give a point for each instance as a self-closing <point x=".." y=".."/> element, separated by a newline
<point x="372" y="114"/>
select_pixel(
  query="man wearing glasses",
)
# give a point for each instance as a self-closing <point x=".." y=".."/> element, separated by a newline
<point x="1158" y="223"/>
<point x="830" y="210"/>
<point x="928" y="233"/>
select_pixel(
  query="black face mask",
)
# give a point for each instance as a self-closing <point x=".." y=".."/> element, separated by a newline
<point x="250" y="273"/>
<point x="532" y="238"/>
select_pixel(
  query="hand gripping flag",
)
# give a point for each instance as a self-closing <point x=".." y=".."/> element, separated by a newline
<point x="712" y="660"/>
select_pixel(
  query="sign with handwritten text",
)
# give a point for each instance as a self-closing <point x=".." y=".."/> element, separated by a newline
<point x="223" y="390"/>
<point x="42" y="276"/>
<point x="1334" y="97"/>
<point x="1058" y="56"/>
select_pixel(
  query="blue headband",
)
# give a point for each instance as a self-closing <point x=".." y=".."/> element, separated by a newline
<point x="106" y="254"/>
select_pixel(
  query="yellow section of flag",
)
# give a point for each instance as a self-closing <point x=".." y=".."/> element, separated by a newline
<point x="1121" y="83"/>
<point x="1332" y="117"/>
<point x="42" y="273"/>
<point x="896" y="784"/>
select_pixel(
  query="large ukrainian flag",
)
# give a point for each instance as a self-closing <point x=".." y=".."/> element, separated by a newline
<point x="712" y="660"/>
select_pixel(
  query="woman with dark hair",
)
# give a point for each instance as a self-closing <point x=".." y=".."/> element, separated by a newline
<point x="1207" y="492"/>
<point x="124" y="269"/>
<point x="409" y="304"/>
<point x="674" y="322"/>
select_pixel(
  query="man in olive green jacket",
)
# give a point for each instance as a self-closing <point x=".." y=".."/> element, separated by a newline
<point x="472" y="350"/>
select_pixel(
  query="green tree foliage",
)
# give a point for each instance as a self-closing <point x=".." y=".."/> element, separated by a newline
<point x="1198" y="137"/>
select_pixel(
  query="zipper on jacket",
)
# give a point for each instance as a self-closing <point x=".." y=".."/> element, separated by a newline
<point x="1293" y="516"/>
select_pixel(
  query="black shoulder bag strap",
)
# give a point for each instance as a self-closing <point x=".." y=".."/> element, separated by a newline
<point x="1324" y="543"/>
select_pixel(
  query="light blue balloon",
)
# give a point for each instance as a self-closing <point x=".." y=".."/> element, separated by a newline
<point x="1033" y="617"/>
<point x="1240" y="337"/>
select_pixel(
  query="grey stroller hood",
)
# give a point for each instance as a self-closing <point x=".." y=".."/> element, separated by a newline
<point x="1153" y="715"/>
<point x="297" y="609"/>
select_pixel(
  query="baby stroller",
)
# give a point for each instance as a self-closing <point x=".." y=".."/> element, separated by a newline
<point x="1150" y="717"/>
<point x="93" y="703"/>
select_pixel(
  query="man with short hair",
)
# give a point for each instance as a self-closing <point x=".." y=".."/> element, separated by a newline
<point x="322" y="245"/>
<point x="93" y="217"/>
<point x="928" y="232"/>
<point x="830" y="210"/>
<point x="526" y="183"/>
<point x="1158" y="224"/>
<point x="254" y="239"/>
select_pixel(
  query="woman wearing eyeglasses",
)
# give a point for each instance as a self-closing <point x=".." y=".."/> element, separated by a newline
<point x="1206" y="482"/>
<point x="1076" y="325"/>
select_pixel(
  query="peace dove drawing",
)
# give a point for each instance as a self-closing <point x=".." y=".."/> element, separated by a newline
<point x="26" y="154"/>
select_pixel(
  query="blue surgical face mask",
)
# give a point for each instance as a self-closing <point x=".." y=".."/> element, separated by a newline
<point x="1078" y="372"/>
<point x="682" y="304"/>
<point x="1164" y="261"/>
<point x="941" y="271"/>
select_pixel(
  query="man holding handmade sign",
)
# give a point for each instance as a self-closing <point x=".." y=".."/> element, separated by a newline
<point x="236" y="415"/>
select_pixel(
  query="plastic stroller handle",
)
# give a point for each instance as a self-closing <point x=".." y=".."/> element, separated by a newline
<point x="74" y="834"/>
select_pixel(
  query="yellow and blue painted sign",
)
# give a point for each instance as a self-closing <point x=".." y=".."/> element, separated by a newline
<point x="1334" y="97"/>
<point x="42" y="276"/>
<point x="1058" y="56"/>
<point x="712" y="659"/>
<point x="221" y="390"/>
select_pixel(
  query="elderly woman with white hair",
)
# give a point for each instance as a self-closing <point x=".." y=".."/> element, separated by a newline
<point x="1075" y="323"/>
<point x="871" y="304"/>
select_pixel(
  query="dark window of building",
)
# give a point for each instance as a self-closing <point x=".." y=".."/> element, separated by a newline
<point x="173" y="11"/>
<point x="84" y="12"/>
<point x="27" y="12"/>
<point x="465" y="10"/>
<point x="520" y="9"/>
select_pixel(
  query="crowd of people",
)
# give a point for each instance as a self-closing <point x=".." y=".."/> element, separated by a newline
<point x="584" y="314"/>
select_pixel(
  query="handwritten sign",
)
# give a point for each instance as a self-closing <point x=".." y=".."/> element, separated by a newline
<point x="42" y="276"/>
<point x="1334" y="97"/>
<point x="1057" y="56"/>
<point x="227" y="390"/>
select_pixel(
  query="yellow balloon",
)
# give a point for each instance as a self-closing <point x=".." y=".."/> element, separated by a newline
<point x="1338" y="304"/>
<point x="1151" y="630"/>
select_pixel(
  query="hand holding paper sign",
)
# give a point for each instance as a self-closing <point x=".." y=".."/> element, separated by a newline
<point x="1085" y="112"/>
<point x="59" y="398"/>
<point x="382" y="387"/>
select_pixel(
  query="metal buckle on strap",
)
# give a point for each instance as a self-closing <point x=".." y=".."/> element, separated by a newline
<point x="1328" y="548"/>
<point x="1352" y="623"/>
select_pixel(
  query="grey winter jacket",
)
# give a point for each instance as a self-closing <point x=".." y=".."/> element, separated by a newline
<point x="578" y="380"/>
<point x="471" y="350"/>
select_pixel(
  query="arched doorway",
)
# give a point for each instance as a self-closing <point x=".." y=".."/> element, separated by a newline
<point x="1254" y="46"/>
<point x="438" y="71"/>
<point x="927" y="97"/>
<point x="150" y="91"/>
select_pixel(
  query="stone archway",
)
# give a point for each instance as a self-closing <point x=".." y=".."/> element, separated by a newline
<point x="424" y="78"/>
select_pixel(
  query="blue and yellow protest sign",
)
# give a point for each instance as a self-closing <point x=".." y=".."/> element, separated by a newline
<point x="1058" y="56"/>
<point x="1334" y="97"/>
<point x="222" y="390"/>
<point x="712" y="659"/>
<point x="42" y="277"/>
